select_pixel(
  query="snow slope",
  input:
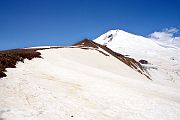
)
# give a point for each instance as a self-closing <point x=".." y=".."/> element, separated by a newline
<point x="164" y="60"/>
<point x="80" y="84"/>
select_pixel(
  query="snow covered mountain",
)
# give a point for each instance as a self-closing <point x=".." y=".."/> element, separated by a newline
<point x="88" y="81"/>
<point x="164" y="60"/>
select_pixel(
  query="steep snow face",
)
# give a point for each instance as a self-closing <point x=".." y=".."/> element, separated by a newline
<point x="164" y="61"/>
<point x="83" y="84"/>
<point x="121" y="40"/>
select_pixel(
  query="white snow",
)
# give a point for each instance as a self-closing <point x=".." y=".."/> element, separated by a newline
<point x="78" y="84"/>
<point x="165" y="59"/>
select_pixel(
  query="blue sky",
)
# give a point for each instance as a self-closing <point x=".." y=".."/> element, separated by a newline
<point x="26" y="23"/>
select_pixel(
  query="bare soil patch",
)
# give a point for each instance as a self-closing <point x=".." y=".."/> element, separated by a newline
<point x="9" y="58"/>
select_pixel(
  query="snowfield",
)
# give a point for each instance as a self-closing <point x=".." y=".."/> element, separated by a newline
<point x="164" y="60"/>
<point x="79" y="84"/>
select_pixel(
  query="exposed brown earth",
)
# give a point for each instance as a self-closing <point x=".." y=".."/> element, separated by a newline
<point x="9" y="58"/>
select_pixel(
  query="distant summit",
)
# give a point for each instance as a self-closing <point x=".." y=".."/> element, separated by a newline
<point x="159" y="56"/>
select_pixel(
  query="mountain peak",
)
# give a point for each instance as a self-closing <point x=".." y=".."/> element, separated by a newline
<point x="142" y="48"/>
<point x="119" y="39"/>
